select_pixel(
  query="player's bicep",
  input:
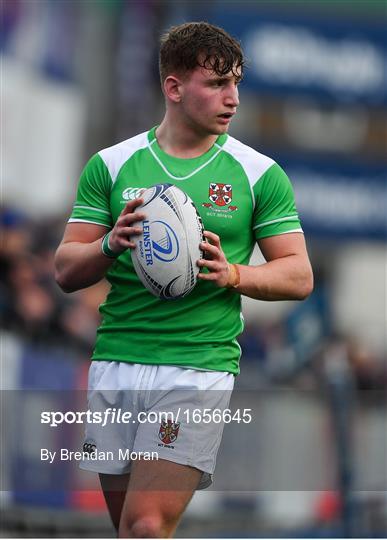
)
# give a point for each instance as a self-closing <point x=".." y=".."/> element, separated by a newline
<point x="83" y="232"/>
<point x="282" y="245"/>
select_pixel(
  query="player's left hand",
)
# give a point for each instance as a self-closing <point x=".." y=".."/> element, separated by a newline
<point x="215" y="261"/>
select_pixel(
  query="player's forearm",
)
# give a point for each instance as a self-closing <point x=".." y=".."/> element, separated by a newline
<point x="79" y="265"/>
<point x="287" y="278"/>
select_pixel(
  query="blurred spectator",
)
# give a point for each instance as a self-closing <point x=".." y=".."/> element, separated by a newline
<point x="14" y="232"/>
<point x="32" y="305"/>
<point x="80" y="318"/>
<point x="369" y="371"/>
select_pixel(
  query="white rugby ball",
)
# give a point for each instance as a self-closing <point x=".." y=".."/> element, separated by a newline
<point x="168" y="247"/>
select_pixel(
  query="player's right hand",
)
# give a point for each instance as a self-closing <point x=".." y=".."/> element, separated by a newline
<point x="123" y="230"/>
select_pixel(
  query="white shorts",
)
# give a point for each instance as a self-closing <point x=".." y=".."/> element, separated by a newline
<point x="164" y="414"/>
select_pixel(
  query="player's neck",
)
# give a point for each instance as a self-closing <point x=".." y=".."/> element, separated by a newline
<point x="178" y="140"/>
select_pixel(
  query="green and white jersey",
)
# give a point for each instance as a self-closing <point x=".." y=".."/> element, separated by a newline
<point x="240" y="194"/>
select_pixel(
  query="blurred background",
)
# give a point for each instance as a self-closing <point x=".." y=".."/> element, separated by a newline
<point x="78" y="76"/>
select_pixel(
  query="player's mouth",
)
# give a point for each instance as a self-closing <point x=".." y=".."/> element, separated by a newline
<point x="226" y="117"/>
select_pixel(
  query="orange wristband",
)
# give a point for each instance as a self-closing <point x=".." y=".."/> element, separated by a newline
<point x="234" y="277"/>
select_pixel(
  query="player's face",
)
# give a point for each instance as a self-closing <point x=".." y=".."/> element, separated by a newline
<point x="209" y="101"/>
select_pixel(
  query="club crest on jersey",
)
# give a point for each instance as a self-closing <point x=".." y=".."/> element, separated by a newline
<point x="168" y="431"/>
<point x="220" y="194"/>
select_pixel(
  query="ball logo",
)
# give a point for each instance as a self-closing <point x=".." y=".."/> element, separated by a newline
<point x="159" y="241"/>
<point x="166" y="248"/>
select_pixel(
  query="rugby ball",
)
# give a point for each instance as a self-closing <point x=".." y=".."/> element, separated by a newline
<point x="168" y="247"/>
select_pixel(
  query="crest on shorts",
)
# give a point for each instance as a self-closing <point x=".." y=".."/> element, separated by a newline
<point x="220" y="194"/>
<point x="168" y="431"/>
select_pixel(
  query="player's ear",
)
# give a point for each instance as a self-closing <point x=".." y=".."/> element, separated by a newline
<point x="173" y="88"/>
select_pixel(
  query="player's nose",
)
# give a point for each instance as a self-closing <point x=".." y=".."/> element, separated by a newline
<point x="232" y="97"/>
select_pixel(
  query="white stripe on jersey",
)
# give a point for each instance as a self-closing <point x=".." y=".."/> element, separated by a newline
<point x="253" y="163"/>
<point x="76" y="220"/>
<point x="115" y="156"/>
<point x="92" y="208"/>
<point x="286" y="218"/>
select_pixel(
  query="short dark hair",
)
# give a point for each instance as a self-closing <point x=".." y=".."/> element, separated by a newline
<point x="193" y="44"/>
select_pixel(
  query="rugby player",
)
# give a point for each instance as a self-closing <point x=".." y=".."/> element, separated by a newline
<point x="145" y="343"/>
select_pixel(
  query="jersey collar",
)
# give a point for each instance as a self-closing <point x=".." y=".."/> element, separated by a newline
<point x="182" y="168"/>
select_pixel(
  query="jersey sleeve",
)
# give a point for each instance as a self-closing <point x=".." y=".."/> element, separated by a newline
<point x="275" y="208"/>
<point x="92" y="204"/>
